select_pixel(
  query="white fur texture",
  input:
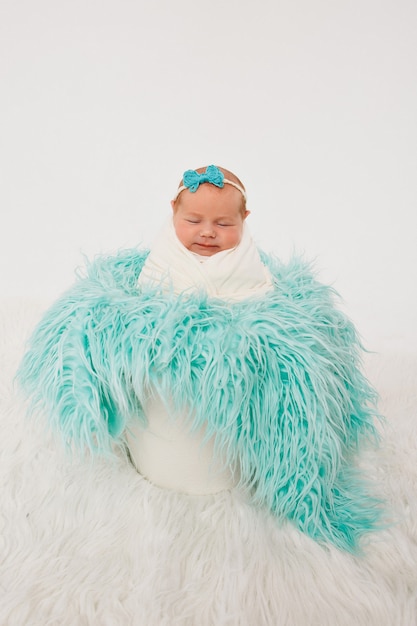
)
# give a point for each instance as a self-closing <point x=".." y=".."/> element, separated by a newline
<point x="96" y="544"/>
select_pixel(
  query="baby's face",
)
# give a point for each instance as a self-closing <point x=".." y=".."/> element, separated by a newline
<point x="210" y="219"/>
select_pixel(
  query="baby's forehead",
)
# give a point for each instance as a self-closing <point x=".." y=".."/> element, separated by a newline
<point x="209" y="206"/>
<point x="210" y="213"/>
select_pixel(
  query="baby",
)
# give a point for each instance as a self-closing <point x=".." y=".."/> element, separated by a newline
<point x="206" y="245"/>
<point x="209" y="210"/>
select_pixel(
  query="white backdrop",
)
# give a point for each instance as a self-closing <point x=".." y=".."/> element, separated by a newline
<point x="312" y="103"/>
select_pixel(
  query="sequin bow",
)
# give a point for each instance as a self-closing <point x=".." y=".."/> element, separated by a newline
<point x="192" y="179"/>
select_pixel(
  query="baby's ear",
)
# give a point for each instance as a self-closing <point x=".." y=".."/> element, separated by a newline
<point x="246" y="214"/>
<point x="173" y="204"/>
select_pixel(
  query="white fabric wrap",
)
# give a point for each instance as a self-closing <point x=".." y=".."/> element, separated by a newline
<point x="167" y="451"/>
<point x="231" y="275"/>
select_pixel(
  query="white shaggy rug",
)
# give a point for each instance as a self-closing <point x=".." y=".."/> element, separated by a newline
<point x="96" y="544"/>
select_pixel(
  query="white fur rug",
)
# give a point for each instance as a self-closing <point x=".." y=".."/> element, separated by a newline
<point x="96" y="544"/>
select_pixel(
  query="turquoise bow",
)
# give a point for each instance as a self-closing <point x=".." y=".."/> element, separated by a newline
<point x="192" y="179"/>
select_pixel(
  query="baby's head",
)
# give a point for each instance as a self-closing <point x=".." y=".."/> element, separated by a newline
<point x="209" y="210"/>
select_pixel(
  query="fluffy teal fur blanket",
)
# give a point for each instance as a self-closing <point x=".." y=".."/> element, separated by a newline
<point x="277" y="380"/>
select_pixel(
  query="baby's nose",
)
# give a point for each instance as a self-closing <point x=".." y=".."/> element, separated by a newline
<point x="207" y="231"/>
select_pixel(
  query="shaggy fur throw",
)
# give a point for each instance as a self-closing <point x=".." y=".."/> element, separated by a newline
<point x="277" y="381"/>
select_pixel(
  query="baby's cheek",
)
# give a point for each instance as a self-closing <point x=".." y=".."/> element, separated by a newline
<point x="236" y="236"/>
<point x="181" y="234"/>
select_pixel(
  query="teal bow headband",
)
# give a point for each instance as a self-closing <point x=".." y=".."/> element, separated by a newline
<point x="192" y="180"/>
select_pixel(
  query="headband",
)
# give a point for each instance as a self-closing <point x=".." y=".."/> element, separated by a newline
<point x="192" y="180"/>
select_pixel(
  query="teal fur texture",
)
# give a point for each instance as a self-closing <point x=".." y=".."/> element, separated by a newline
<point x="276" y="380"/>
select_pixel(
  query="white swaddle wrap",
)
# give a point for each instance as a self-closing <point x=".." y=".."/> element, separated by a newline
<point x="231" y="275"/>
<point x="166" y="451"/>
